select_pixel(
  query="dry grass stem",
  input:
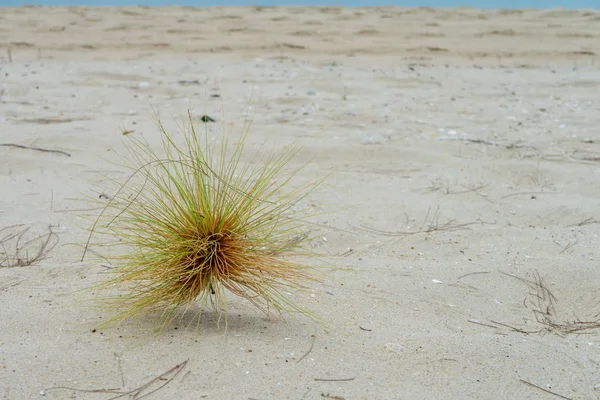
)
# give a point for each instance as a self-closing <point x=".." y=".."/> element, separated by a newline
<point x="543" y="302"/>
<point x="20" y="146"/>
<point x="431" y="223"/>
<point x="19" y="250"/>
<point x="138" y="393"/>
<point x="587" y="221"/>
<point x="545" y="390"/>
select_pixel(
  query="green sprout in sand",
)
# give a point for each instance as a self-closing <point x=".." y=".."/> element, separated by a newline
<point x="199" y="222"/>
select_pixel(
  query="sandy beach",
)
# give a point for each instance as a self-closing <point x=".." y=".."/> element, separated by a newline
<point x="463" y="204"/>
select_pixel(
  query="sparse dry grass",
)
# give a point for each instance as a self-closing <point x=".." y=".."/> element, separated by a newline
<point x="18" y="248"/>
<point x="543" y="304"/>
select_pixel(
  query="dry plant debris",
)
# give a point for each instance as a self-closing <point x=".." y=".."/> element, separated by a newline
<point x="18" y="249"/>
<point x="431" y="223"/>
<point x="20" y="146"/>
<point x="543" y="302"/>
<point x="138" y="393"/>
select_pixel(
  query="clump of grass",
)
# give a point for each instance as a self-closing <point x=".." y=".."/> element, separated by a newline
<point x="200" y="221"/>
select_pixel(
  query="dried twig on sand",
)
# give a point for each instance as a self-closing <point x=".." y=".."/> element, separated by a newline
<point x="444" y="187"/>
<point x="334" y="379"/>
<point x="587" y="221"/>
<point x="140" y="392"/>
<point x="312" y="344"/>
<point x="48" y="121"/>
<point x="20" y="146"/>
<point x="16" y="252"/>
<point x="543" y="303"/>
<point x="431" y="223"/>
<point x="508" y="146"/>
<point x="545" y="390"/>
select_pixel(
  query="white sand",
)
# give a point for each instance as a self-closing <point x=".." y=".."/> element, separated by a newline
<point x="481" y="127"/>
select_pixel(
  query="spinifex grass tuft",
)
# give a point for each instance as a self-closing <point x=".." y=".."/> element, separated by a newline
<point x="199" y="221"/>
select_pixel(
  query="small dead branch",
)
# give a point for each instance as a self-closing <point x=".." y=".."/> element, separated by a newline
<point x="568" y="245"/>
<point x="145" y="390"/>
<point x="587" y="221"/>
<point x="543" y="303"/>
<point x="508" y="146"/>
<point x="515" y="329"/>
<point x="472" y="273"/>
<point x="545" y="390"/>
<point x="19" y="146"/>
<point x="439" y="185"/>
<point x="14" y="251"/>
<point x="332" y="397"/>
<point x="474" y="321"/>
<point x="430" y="224"/>
<point x="334" y="379"/>
<point x="346" y="253"/>
<point x="444" y="187"/>
<point x="118" y="358"/>
<point x="48" y="121"/>
<point x="527" y="193"/>
<point x="312" y="344"/>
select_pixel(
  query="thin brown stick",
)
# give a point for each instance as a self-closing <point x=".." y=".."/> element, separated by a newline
<point x="312" y="344"/>
<point x="472" y="273"/>
<point x="515" y="329"/>
<point x="489" y="143"/>
<point x="334" y="379"/>
<point x="108" y="391"/>
<point x="431" y="224"/>
<point x="16" y="258"/>
<point x="135" y="394"/>
<point x="20" y="146"/>
<point x="568" y="246"/>
<point x="543" y="302"/>
<point x="528" y="193"/>
<point x="332" y="397"/>
<point x="78" y="209"/>
<point x="587" y="221"/>
<point x="545" y="390"/>
<point x="118" y="358"/>
<point x="474" y="321"/>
